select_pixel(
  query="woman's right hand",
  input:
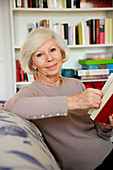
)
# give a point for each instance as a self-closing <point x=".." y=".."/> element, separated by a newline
<point x="86" y="99"/>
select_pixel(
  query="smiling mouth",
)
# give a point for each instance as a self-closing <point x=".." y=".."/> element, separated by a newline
<point x="52" y="67"/>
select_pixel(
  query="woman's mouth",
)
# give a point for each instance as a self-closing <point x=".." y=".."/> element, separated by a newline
<point x="52" y="66"/>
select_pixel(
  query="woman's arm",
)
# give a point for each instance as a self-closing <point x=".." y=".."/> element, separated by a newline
<point x="29" y="106"/>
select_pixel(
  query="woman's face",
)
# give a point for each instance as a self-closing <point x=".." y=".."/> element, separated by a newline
<point x="48" y="59"/>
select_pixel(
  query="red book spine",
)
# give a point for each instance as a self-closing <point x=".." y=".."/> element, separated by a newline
<point x="97" y="31"/>
<point x="17" y="70"/>
<point x="21" y="73"/>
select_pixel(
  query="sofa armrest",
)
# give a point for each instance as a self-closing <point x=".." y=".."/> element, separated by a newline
<point x="22" y="145"/>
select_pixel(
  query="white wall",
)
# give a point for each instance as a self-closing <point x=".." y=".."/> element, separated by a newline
<point x="6" y="64"/>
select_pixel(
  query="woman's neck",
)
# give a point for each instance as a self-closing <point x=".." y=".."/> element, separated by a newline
<point x="50" y="81"/>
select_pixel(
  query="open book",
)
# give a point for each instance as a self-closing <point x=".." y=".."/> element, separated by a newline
<point x="106" y="108"/>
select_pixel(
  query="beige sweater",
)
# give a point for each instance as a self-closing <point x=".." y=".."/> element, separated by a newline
<point x="75" y="141"/>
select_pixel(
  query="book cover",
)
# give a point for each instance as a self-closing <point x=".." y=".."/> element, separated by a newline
<point x="106" y="108"/>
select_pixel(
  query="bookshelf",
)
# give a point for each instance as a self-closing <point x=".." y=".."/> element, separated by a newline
<point x="20" y="17"/>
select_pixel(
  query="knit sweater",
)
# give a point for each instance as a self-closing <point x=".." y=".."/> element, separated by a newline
<point x="74" y="140"/>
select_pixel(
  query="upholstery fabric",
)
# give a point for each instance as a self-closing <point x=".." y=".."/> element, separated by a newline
<point x="22" y="145"/>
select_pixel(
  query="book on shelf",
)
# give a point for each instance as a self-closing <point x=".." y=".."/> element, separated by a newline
<point x="106" y="108"/>
<point x="98" y="56"/>
<point x="94" y="3"/>
<point x="94" y="77"/>
<point x="93" y="62"/>
<point x="101" y="29"/>
<point x="97" y="66"/>
<point x="18" y="70"/>
<point x="94" y="72"/>
<point x="110" y="30"/>
<point x="32" y="26"/>
<point x="19" y="3"/>
<point x="86" y="32"/>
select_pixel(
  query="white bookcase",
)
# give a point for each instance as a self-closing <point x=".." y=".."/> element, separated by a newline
<point x="20" y="17"/>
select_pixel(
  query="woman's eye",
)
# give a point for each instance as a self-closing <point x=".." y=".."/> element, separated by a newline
<point x="53" y="49"/>
<point x="39" y="55"/>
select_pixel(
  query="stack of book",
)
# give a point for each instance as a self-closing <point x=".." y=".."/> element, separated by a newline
<point x="95" y="66"/>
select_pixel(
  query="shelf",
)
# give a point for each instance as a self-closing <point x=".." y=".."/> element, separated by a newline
<point x="62" y="10"/>
<point x="79" y="46"/>
<point x="84" y="81"/>
<point x="23" y="83"/>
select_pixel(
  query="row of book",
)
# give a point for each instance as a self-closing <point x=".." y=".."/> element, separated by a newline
<point x="62" y="3"/>
<point x="95" y="66"/>
<point x="21" y="76"/>
<point x="93" y="31"/>
<point x="45" y="4"/>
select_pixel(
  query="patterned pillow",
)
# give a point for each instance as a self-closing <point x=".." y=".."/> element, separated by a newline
<point x="22" y="145"/>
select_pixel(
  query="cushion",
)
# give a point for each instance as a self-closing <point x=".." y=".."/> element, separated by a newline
<point x="22" y="145"/>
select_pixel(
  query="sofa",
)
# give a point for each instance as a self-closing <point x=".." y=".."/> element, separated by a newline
<point x="22" y="146"/>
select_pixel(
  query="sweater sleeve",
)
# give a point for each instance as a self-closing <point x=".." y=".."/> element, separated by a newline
<point x="25" y="104"/>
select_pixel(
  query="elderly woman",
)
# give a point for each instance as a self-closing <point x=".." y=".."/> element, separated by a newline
<point x="58" y="106"/>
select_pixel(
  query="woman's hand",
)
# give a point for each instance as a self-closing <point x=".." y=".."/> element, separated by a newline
<point x="85" y="100"/>
<point x="106" y="127"/>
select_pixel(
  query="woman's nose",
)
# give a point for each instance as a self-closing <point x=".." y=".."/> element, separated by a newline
<point x="49" y="57"/>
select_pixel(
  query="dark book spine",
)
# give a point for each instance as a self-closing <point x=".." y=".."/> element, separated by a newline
<point x="93" y="32"/>
<point x="77" y="3"/>
<point x="33" y="3"/>
<point x="68" y="3"/>
<point x="45" y="4"/>
<point x="66" y="31"/>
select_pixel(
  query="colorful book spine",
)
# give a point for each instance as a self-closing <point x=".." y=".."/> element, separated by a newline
<point x="96" y="77"/>
<point x="97" y="66"/>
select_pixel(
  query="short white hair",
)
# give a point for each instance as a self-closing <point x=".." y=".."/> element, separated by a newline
<point x="34" y="40"/>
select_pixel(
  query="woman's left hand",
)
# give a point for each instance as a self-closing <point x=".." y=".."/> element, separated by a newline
<point x="107" y="127"/>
